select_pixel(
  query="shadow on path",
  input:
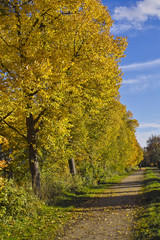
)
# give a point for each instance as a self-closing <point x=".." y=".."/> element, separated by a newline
<point x="121" y="195"/>
<point x="110" y="215"/>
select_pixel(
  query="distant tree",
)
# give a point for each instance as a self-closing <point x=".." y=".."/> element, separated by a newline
<point x="152" y="151"/>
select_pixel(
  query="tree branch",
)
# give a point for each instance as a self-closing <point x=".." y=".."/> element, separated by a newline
<point x="34" y="24"/>
<point x="13" y="128"/>
<point x="32" y="94"/>
<point x="6" y="116"/>
<point x="39" y="116"/>
<point x="27" y="2"/>
<point x="8" y="44"/>
<point x="5" y="68"/>
<point x="76" y="53"/>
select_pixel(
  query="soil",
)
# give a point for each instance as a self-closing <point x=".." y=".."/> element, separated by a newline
<point x="110" y="216"/>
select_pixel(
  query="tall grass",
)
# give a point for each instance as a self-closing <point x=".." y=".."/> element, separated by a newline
<point x="148" y="219"/>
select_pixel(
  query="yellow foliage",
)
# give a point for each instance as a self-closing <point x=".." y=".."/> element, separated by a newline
<point x="60" y="79"/>
<point x="4" y="144"/>
<point x="2" y="182"/>
<point x="3" y="164"/>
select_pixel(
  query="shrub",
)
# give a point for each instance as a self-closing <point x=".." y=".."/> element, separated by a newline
<point x="57" y="185"/>
<point x="16" y="201"/>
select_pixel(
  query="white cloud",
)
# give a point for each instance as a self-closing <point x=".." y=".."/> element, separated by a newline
<point x="131" y="81"/>
<point x="141" y="65"/>
<point x="138" y="80"/>
<point x="142" y="82"/>
<point x="138" y="13"/>
<point x="149" y="125"/>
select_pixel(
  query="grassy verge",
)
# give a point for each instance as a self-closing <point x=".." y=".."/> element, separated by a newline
<point x="45" y="221"/>
<point x="148" y="219"/>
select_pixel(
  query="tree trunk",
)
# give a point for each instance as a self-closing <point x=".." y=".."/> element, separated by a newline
<point x="34" y="165"/>
<point x="72" y="166"/>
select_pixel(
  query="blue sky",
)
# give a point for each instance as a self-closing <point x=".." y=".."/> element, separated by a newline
<point x="139" y="21"/>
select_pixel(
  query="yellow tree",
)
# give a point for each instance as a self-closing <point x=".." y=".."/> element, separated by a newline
<point x="129" y="150"/>
<point x="54" y="55"/>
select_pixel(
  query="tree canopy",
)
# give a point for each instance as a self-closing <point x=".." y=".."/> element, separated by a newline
<point x="59" y="86"/>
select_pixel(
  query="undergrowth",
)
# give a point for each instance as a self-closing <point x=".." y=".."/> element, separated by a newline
<point x="24" y="216"/>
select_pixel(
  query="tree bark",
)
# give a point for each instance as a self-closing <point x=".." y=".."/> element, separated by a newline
<point x="72" y="166"/>
<point x="33" y="161"/>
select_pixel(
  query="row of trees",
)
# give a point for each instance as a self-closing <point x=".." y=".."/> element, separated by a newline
<point x="59" y="82"/>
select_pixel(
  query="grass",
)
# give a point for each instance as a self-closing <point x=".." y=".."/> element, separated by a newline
<point x="49" y="220"/>
<point x="148" y="218"/>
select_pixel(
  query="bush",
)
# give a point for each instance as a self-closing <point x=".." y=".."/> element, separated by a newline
<point x="77" y="184"/>
<point x="57" y="185"/>
<point x="16" y="201"/>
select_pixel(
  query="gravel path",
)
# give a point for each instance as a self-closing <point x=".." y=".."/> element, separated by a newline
<point x="111" y="215"/>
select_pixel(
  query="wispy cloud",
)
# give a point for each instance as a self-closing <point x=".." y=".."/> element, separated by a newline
<point x="131" y="81"/>
<point x="119" y="28"/>
<point x="138" y="13"/>
<point x="149" y="125"/>
<point x="141" y="65"/>
<point x="138" y="79"/>
<point x="141" y="82"/>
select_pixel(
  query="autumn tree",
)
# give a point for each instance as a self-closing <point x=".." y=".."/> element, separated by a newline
<point x="58" y="60"/>
<point x="122" y="150"/>
<point x="133" y="153"/>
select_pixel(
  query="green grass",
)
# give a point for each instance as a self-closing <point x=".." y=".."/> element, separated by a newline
<point x="47" y="221"/>
<point x="44" y="225"/>
<point x="148" y="219"/>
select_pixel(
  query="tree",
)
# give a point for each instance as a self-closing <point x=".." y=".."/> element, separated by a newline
<point x="123" y="149"/>
<point x="152" y="151"/>
<point x="55" y="57"/>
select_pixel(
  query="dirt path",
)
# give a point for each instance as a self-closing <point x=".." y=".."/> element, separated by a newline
<point x="111" y="215"/>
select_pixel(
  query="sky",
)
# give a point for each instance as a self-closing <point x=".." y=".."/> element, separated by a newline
<point x="139" y="21"/>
